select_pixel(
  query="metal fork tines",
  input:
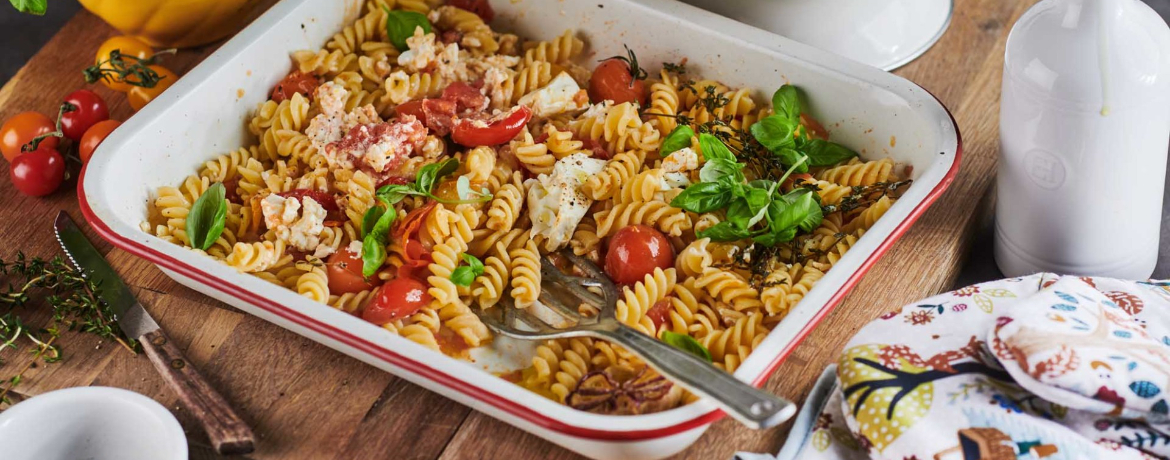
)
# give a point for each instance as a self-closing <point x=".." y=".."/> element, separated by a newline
<point x="558" y="314"/>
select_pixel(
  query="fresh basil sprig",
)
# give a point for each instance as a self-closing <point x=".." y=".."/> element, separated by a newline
<point x="686" y="343"/>
<point x="207" y="217"/>
<point x="37" y="7"/>
<point x="464" y="275"/>
<point x="400" y="25"/>
<point x="755" y="209"/>
<point x="780" y="134"/>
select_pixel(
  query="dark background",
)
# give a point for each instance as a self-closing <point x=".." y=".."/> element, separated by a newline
<point x="22" y="35"/>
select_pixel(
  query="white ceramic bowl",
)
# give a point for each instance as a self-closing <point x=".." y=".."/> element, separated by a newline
<point x="91" y="423"/>
<point x="204" y="114"/>
<point x="886" y="34"/>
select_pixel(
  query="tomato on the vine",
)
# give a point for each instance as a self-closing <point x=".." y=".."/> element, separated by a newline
<point x="21" y="129"/>
<point x="38" y="173"/>
<point x="88" y="110"/>
<point x="399" y="298"/>
<point x="345" y="273"/>
<point x="140" y="96"/>
<point x="635" y="251"/>
<point x="618" y="79"/>
<point x="126" y="46"/>
<point x="470" y="132"/>
<point x="94" y="136"/>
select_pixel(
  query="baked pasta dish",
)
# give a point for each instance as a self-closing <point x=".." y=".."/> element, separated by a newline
<point x="417" y="167"/>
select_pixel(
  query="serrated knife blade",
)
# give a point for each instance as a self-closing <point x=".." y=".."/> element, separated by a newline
<point x="131" y="317"/>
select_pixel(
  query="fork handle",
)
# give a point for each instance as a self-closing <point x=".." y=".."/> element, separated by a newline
<point x="751" y="406"/>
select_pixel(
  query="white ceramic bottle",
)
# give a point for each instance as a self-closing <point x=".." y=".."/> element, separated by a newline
<point x="1084" y="128"/>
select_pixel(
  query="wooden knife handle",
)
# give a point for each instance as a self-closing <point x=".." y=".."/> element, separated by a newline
<point x="227" y="431"/>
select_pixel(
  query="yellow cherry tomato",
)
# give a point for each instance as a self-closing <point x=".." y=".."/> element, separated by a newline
<point x="127" y="46"/>
<point x="140" y="96"/>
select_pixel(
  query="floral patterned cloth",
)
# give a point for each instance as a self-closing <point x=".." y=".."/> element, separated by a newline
<point x="1042" y="366"/>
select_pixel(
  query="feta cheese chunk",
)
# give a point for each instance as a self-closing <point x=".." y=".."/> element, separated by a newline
<point x="331" y="125"/>
<point x="425" y="54"/>
<point x="556" y="202"/>
<point x="560" y="95"/>
<point x="298" y="222"/>
<point x="681" y="160"/>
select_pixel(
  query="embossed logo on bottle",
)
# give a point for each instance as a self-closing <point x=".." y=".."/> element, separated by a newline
<point x="1045" y="169"/>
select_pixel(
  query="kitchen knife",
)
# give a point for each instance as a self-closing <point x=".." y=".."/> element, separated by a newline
<point x="227" y="431"/>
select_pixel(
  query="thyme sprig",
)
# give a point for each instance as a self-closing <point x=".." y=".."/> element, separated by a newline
<point x="636" y="71"/>
<point x="75" y="306"/>
<point x="120" y="67"/>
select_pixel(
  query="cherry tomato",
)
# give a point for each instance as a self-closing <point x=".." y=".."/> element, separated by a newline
<point x="481" y="8"/>
<point x="127" y="46"/>
<point x="635" y="252"/>
<point x="345" y="273"/>
<point x="399" y="298"/>
<point x="659" y="313"/>
<point x="413" y="108"/>
<point x="38" y="173"/>
<point x="295" y="82"/>
<point x="22" y="128"/>
<point x="612" y="80"/>
<point x="140" y="96"/>
<point x="495" y="131"/>
<point x="89" y="109"/>
<point x="94" y="136"/>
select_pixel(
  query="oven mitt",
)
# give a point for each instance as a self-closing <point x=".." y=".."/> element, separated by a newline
<point x="1037" y="367"/>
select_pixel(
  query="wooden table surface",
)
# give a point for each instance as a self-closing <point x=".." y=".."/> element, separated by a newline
<point x="307" y="401"/>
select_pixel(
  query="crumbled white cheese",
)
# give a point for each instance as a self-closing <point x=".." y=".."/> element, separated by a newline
<point x="556" y="203"/>
<point x="432" y="147"/>
<point x="681" y="160"/>
<point x="333" y="122"/>
<point x="425" y="53"/>
<point x="298" y="222"/>
<point x="355" y="247"/>
<point x="560" y="95"/>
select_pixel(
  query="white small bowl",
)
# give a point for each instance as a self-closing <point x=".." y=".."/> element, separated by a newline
<point x="92" y="423"/>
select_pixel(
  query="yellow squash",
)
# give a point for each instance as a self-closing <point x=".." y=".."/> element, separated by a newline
<point x="177" y="23"/>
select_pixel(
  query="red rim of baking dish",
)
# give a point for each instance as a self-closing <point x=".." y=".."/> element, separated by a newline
<point x="512" y="407"/>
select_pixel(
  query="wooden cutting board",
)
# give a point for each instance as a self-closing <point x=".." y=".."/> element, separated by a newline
<point x="307" y="401"/>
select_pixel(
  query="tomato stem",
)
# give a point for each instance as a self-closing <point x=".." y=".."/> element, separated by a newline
<point x="120" y="68"/>
<point x="36" y="141"/>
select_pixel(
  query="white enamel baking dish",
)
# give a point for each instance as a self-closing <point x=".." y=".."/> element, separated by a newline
<point x="204" y="114"/>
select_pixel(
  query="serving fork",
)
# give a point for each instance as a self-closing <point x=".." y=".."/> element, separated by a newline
<point x="562" y="296"/>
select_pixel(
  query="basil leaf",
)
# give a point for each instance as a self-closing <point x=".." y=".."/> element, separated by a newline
<point x="775" y="133"/>
<point x="775" y="237"/>
<point x="724" y="231"/>
<point x="801" y="210"/>
<point x="394" y="193"/>
<point x="713" y="148"/>
<point x="678" y="139"/>
<point x="474" y="263"/>
<point x="714" y="170"/>
<point x="702" y="197"/>
<point x="371" y="219"/>
<point x="400" y="25"/>
<point x="429" y="174"/>
<point x="826" y="153"/>
<point x="464" y="275"/>
<point x="207" y="217"/>
<point x="373" y="255"/>
<point x="749" y="210"/>
<point x="790" y="157"/>
<point x="786" y="102"/>
<point x="686" y="343"/>
<point x="36" y="7"/>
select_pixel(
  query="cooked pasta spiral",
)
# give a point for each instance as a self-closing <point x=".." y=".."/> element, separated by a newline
<point x="636" y="301"/>
<point x="729" y="288"/>
<point x="620" y="169"/>
<point x="533" y="155"/>
<point x="525" y="275"/>
<point x="556" y="51"/>
<point x="672" y="221"/>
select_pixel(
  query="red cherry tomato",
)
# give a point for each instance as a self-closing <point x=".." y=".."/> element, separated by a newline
<point x="613" y="81"/>
<point x="89" y="109"/>
<point x="495" y="131"/>
<point x="345" y="273"/>
<point x="322" y="198"/>
<point x="38" y="173"/>
<point x="94" y="136"/>
<point x="22" y="128"/>
<point x="295" y="82"/>
<point x="399" y="298"/>
<point x="659" y="313"/>
<point x="465" y="97"/>
<point x="413" y="108"/>
<point x="480" y="7"/>
<point x="635" y="252"/>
